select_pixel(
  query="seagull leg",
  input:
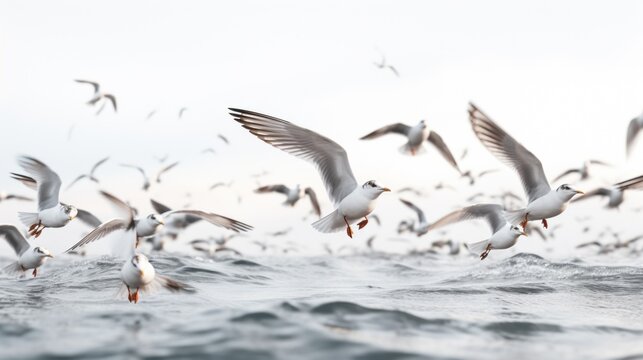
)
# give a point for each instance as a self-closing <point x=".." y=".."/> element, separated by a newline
<point x="545" y="223"/>
<point x="349" y="231"/>
<point x="34" y="272"/>
<point x="486" y="252"/>
<point x="129" y="294"/>
<point x="524" y="221"/>
<point x="32" y="228"/>
<point x="362" y="223"/>
<point x="135" y="297"/>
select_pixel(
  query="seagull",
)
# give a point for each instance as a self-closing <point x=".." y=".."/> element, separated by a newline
<point x="543" y="202"/>
<point x="583" y="171"/>
<point x="281" y="232"/>
<point x="4" y="196"/>
<point x="353" y="202"/>
<point x="213" y="245"/>
<point x="505" y="234"/>
<point x="384" y="65"/>
<point x="422" y="226"/>
<point x="616" y="192"/>
<point x="632" y="132"/>
<point x="181" y="111"/>
<point x="150" y="115"/>
<point x="416" y="136"/>
<point x="177" y="220"/>
<point x="293" y="195"/>
<point x="473" y="177"/>
<point x="412" y="190"/>
<point x="51" y="212"/>
<point x="224" y="139"/>
<point x="89" y="176"/>
<point x="611" y="247"/>
<point x="164" y="170"/>
<point x="137" y="272"/>
<point x="98" y="95"/>
<point x="219" y="184"/>
<point x="29" y="256"/>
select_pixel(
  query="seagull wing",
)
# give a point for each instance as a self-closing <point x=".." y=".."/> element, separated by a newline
<point x="92" y="83"/>
<point x="599" y="162"/>
<point x="313" y="200"/>
<point x="112" y="99"/>
<point x="397" y="128"/>
<point x="565" y="173"/>
<point x="492" y="213"/>
<point x="329" y="157"/>
<point x="159" y="208"/>
<point x="632" y="132"/>
<point x="80" y="177"/>
<point x="164" y="170"/>
<point x="99" y="163"/>
<point x="282" y="189"/>
<point x="442" y="147"/>
<point x="88" y="218"/>
<point x="394" y="70"/>
<point x="634" y="183"/>
<point x="511" y="152"/>
<point x="100" y="232"/>
<point x="140" y="169"/>
<point x="18" y="197"/>
<point x="596" y="192"/>
<point x="25" y="180"/>
<point x="417" y="210"/>
<point x="47" y="180"/>
<point x="212" y="218"/>
<point x="224" y="139"/>
<point x="14" y="238"/>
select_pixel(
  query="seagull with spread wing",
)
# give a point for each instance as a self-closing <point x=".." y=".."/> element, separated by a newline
<point x="353" y="201"/>
<point x="615" y="193"/>
<point x="583" y="171"/>
<point x="293" y="195"/>
<point x="137" y="273"/>
<point x="91" y="175"/>
<point x="504" y="234"/>
<point x="423" y="226"/>
<point x="416" y="136"/>
<point x="99" y="95"/>
<point x="543" y="202"/>
<point x="29" y="256"/>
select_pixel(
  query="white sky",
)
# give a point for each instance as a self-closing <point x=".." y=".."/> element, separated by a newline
<point x="562" y="77"/>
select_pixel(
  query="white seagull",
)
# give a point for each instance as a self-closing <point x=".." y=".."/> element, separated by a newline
<point x="543" y="202"/>
<point x="137" y="273"/>
<point x="293" y="195"/>
<point x="99" y="95"/>
<point x="505" y="234"/>
<point x="91" y="175"/>
<point x="353" y="201"/>
<point x="423" y="226"/>
<point x="632" y="132"/>
<point x="615" y="193"/>
<point x="416" y="136"/>
<point x="51" y="212"/>
<point x="29" y="256"/>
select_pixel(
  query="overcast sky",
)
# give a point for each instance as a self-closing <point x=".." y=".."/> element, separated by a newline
<point x="564" y="78"/>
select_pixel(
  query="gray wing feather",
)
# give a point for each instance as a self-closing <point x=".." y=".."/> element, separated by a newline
<point x="511" y="152"/>
<point x="492" y="213"/>
<point x="25" y="180"/>
<point x="47" y="180"/>
<point x="568" y="172"/>
<point x="329" y="157"/>
<point x="397" y="128"/>
<point x="14" y="238"/>
<point x="99" y="163"/>
<point x="88" y="218"/>
<point x="313" y="200"/>
<point x="282" y="189"/>
<point x="417" y="210"/>
<point x="215" y="219"/>
<point x="634" y="183"/>
<point x="100" y="232"/>
<point x="632" y="132"/>
<point x="442" y="147"/>
<point x="159" y="208"/>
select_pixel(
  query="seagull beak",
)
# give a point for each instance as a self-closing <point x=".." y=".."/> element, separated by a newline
<point x="524" y="233"/>
<point x="386" y="189"/>
<point x="49" y="256"/>
<point x="580" y="192"/>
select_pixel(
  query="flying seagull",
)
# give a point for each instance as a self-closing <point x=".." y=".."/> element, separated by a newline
<point x="4" y="196"/>
<point x="91" y="175"/>
<point x="29" y="256"/>
<point x="583" y="171"/>
<point x="504" y="236"/>
<point x="384" y="65"/>
<point x="416" y="136"/>
<point x="51" y="212"/>
<point x="353" y="202"/>
<point x="182" y="111"/>
<point x="632" y="132"/>
<point x="293" y="195"/>
<point x="99" y="95"/>
<point x="616" y="192"/>
<point x="137" y="273"/>
<point x="543" y="202"/>
<point x="422" y="226"/>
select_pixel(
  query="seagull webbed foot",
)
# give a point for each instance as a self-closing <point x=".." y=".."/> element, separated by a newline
<point x="362" y="223"/>
<point x="486" y="252"/>
<point x="349" y="231"/>
<point x="545" y="223"/>
<point x="34" y="272"/>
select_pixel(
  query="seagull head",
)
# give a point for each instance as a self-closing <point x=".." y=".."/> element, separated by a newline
<point x="42" y="252"/>
<point x="422" y="124"/>
<point x="567" y="191"/>
<point x="516" y="230"/>
<point x="139" y="261"/>
<point x="374" y="190"/>
<point x="70" y="211"/>
<point x="156" y="219"/>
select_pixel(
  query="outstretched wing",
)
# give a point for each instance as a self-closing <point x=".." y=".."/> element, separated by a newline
<point x="417" y="210"/>
<point x="442" y="147"/>
<point x="47" y="180"/>
<point x="282" y="189"/>
<point x="313" y="200"/>
<point x="215" y="219"/>
<point x="511" y="152"/>
<point x="14" y="238"/>
<point x="329" y="158"/>
<point x="397" y="128"/>
<point x="492" y="213"/>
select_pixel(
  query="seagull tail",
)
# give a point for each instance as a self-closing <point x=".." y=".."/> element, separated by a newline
<point x="407" y="149"/>
<point x="13" y="269"/>
<point x="332" y="222"/>
<point x="477" y="248"/>
<point x="28" y="219"/>
<point x="514" y="217"/>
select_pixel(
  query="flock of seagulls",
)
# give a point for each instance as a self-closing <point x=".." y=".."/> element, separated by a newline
<point x="353" y="202"/>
